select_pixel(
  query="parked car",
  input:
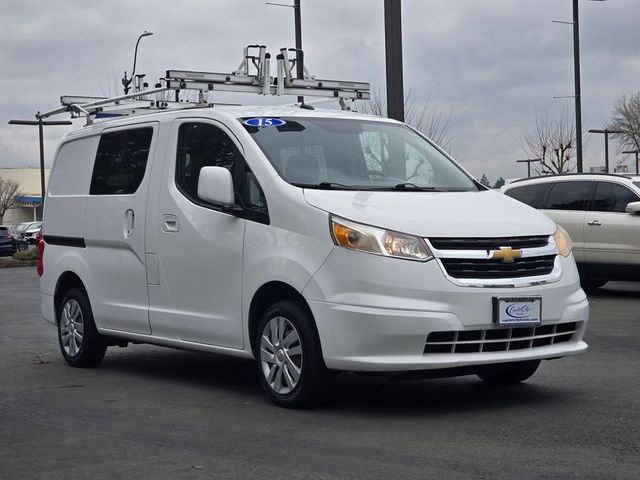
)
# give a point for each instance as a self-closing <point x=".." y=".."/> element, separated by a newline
<point x="601" y="212"/>
<point x="21" y="227"/>
<point x="10" y="240"/>
<point x="31" y="231"/>
<point x="308" y="240"/>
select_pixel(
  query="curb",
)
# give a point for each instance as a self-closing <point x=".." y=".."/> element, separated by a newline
<point x="13" y="263"/>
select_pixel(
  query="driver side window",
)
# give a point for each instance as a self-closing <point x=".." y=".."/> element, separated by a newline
<point x="205" y="145"/>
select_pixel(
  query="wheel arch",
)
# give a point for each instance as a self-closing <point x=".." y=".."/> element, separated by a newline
<point x="67" y="281"/>
<point x="268" y="294"/>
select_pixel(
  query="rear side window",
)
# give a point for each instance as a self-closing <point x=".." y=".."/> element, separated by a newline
<point x="121" y="161"/>
<point x="532" y="195"/>
<point x="570" y="196"/>
<point x="4" y="232"/>
<point x="611" y="197"/>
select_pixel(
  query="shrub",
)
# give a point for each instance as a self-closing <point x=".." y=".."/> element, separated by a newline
<point x="27" y="255"/>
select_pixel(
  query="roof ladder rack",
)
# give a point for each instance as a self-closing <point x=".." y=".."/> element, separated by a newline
<point x="253" y="75"/>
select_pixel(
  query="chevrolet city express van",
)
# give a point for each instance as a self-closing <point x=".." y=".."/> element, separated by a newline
<point x="310" y="241"/>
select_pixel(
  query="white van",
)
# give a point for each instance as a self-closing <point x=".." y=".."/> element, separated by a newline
<point x="313" y="241"/>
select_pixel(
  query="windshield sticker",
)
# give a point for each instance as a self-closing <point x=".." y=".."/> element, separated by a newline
<point x="264" y="122"/>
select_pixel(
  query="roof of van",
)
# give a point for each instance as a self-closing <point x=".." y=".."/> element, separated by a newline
<point x="229" y="111"/>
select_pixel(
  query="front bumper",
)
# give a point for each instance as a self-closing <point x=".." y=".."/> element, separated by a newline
<point x="375" y="314"/>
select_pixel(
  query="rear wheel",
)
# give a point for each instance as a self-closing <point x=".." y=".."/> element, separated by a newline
<point x="508" y="373"/>
<point x="80" y="343"/>
<point x="288" y="354"/>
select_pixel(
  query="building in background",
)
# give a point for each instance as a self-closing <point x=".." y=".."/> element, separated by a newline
<point x="29" y="205"/>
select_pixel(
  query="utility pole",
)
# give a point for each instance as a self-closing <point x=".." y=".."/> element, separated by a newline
<point x="298" y="26"/>
<point x="297" y="20"/>
<point x="393" y="46"/>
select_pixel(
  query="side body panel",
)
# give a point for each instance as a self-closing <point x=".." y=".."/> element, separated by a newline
<point x="115" y="249"/>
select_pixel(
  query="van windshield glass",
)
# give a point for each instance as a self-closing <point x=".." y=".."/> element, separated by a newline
<point x="350" y="154"/>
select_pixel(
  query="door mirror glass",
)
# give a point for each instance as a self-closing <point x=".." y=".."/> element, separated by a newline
<point x="633" y="208"/>
<point x="215" y="185"/>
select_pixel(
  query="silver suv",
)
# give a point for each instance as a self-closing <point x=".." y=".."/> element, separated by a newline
<point x="602" y="215"/>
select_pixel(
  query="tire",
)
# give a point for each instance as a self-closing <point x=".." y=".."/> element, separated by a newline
<point x="80" y="343"/>
<point x="289" y="358"/>
<point x="508" y="373"/>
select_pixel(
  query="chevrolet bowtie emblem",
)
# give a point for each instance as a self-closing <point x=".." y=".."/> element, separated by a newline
<point x="506" y="254"/>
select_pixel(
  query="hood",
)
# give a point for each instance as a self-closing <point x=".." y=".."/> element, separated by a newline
<point x="435" y="214"/>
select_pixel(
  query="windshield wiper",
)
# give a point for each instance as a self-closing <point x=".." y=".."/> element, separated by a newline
<point x="413" y="186"/>
<point x="325" y="186"/>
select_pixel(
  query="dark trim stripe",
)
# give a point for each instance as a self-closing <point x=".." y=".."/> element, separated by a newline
<point x="65" y="241"/>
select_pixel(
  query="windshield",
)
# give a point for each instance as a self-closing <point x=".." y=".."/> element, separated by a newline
<point x="355" y="154"/>
<point x="637" y="184"/>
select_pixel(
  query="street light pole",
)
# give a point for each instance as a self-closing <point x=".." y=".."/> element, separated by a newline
<point x="576" y="78"/>
<point x="636" y="152"/>
<point x="41" y="123"/>
<point x="126" y="82"/>
<point x="393" y="45"/>
<point x="606" y="133"/>
<point x="529" y="161"/>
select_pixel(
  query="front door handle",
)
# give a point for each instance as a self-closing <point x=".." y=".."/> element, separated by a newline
<point x="594" y="223"/>
<point x="170" y="223"/>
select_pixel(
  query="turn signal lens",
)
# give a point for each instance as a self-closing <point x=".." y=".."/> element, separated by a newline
<point x="563" y="241"/>
<point x="365" y="238"/>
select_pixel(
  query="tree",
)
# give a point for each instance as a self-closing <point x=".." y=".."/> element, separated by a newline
<point x="420" y="115"/>
<point x="552" y="142"/>
<point x="626" y="117"/>
<point x="499" y="183"/>
<point x="485" y="181"/>
<point x="9" y="190"/>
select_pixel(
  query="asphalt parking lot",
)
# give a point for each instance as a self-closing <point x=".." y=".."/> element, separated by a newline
<point x="149" y="412"/>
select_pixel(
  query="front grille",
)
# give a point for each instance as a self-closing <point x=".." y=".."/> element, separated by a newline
<point x="500" y="340"/>
<point x="489" y="243"/>
<point x="496" y="268"/>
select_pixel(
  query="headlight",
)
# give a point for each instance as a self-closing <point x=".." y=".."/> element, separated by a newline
<point x="563" y="241"/>
<point x="378" y="241"/>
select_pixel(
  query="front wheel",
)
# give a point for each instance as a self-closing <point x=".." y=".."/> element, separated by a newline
<point x="80" y="342"/>
<point x="508" y="373"/>
<point x="288" y="355"/>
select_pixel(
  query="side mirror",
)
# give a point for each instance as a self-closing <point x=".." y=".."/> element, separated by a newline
<point x="633" y="208"/>
<point x="215" y="185"/>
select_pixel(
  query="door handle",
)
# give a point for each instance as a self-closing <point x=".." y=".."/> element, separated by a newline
<point x="594" y="223"/>
<point x="129" y="223"/>
<point x="170" y="223"/>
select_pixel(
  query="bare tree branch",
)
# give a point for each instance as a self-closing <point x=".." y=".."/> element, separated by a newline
<point x="420" y="115"/>
<point x="9" y="190"/>
<point x="626" y="117"/>
<point x="552" y="142"/>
